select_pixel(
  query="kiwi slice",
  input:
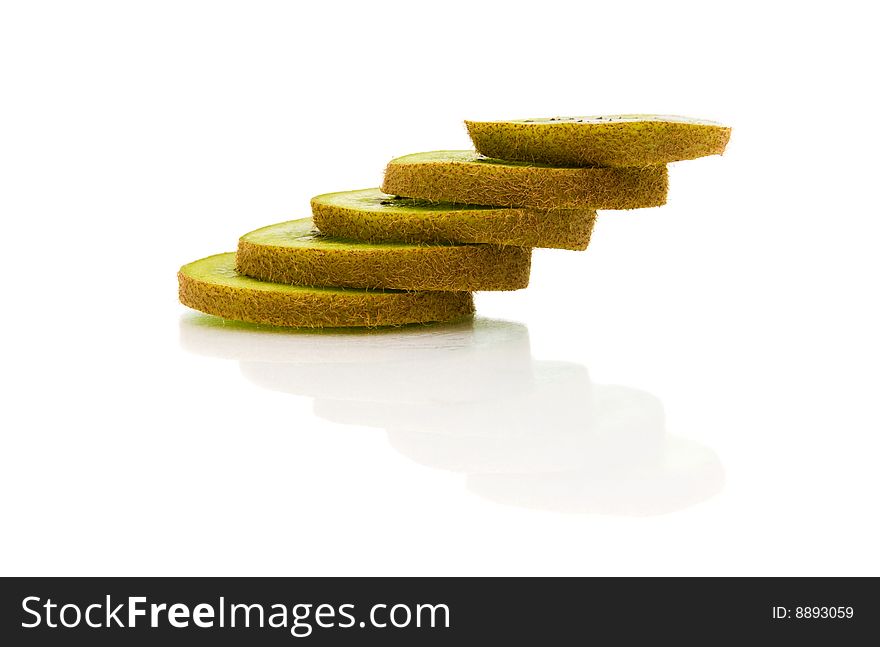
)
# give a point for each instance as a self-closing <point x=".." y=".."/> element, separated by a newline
<point x="212" y="285"/>
<point x="613" y="140"/>
<point x="373" y="216"/>
<point x="296" y="253"/>
<point x="467" y="177"/>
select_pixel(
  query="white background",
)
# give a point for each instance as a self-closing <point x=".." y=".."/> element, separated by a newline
<point x="137" y="439"/>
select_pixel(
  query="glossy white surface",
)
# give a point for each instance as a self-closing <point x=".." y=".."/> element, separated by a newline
<point x="695" y="394"/>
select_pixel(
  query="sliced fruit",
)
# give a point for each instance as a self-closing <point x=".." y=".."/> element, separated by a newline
<point x="296" y="253"/>
<point x="373" y="216"/>
<point x="212" y="285"/>
<point x="467" y="177"/>
<point x="612" y="140"/>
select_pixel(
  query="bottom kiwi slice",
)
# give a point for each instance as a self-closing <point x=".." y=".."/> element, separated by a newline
<point x="373" y="216"/>
<point x="296" y="253"/>
<point x="213" y="285"/>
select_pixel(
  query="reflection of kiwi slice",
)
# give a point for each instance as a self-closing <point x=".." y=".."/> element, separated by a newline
<point x="377" y="217"/>
<point x="448" y="369"/>
<point x="606" y="429"/>
<point x="556" y="399"/>
<point x="466" y="360"/>
<point x="450" y="380"/>
<point x="414" y="344"/>
<point x="296" y="253"/>
<point x="466" y="177"/>
<point x="212" y="285"/>
<point x="684" y="474"/>
<point x="614" y="140"/>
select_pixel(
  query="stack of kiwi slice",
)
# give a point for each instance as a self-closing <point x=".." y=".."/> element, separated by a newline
<point x="445" y="224"/>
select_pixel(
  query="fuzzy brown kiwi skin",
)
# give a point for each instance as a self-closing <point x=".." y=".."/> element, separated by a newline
<point x="466" y="177"/>
<point x="294" y="253"/>
<point x="320" y="308"/>
<point x="434" y="268"/>
<point x="592" y="141"/>
<point x="556" y="229"/>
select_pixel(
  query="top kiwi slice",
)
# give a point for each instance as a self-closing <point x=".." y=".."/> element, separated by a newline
<point x="373" y="216"/>
<point x="611" y="140"/>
